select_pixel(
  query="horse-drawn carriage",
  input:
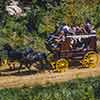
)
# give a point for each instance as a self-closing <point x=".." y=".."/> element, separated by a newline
<point x="67" y="46"/>
<point x="78" y="48"/>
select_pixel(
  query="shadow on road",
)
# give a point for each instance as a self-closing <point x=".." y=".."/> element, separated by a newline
<point x="23" y="72"/>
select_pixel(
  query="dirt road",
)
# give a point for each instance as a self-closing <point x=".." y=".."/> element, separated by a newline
<point x="14" y="79"/>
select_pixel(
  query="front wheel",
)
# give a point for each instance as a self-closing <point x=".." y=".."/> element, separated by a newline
<point x="61" y="65"/>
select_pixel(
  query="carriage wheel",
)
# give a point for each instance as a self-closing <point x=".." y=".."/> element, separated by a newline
<point x="90" y="59"/>
<point x="61" y="65"/>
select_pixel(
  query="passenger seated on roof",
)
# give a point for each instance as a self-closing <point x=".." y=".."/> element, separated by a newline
<point x="88" y="27"/>
<point x="66" y="29"/>
<point x="76" y="30"/>
<point x="62" y="27"/>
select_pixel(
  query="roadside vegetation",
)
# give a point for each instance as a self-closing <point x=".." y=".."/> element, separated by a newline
<point x="79" y="89"/>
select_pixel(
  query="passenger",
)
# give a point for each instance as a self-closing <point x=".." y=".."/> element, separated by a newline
<point x="51" y="41"/>
<point x="66" y="29"/>
<point x="62" y="27"/>
<point x="73" y="29"/>
<point x="76" y="30"/>
<point x="83" y="30"/>
<point x="56" y="40"/>
<point x="60" y="37"/>
<point x="88" y="27"/>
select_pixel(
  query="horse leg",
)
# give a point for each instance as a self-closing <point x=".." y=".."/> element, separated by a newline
<point x="10" y="66"/>
<point x="47" y="65"/>
<point x="45" y="61"/>
<point x="20" y="67"/>
<point x="42" y="65"/>
<point x="13" y="66"/>
<point x="28" y="66"/>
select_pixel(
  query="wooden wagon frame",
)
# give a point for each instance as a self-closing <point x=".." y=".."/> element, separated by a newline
<point x="70" y="51"/>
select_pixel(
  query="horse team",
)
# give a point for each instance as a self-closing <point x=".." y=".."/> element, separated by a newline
<point x="26" y="58"/>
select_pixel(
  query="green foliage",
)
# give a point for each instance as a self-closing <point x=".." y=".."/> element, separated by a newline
<point x="79" y="89"/>
<point x="43" y="16"/>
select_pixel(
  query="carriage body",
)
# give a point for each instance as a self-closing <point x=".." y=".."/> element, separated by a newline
<point x="74" y="47"/>
<point x="79" y="48"/>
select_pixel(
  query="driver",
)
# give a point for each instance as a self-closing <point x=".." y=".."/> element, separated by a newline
<point x="60" y="37"/>
<point x="57" y="40"/>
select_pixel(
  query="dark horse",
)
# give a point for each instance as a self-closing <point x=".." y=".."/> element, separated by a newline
<point x="33" y="57"/>
<point x="27" y="58"/>
<point x="13" y="55"/>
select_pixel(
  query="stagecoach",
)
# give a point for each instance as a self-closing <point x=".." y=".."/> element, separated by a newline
<point x="75" y="48"/>
<point x="68" y="50"/>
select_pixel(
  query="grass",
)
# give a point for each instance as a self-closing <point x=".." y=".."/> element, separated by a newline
<point x="98" y="48"/>
<point x="79" y="89"/>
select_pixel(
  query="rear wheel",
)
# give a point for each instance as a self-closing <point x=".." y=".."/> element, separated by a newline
<point x="90" y="59"/>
